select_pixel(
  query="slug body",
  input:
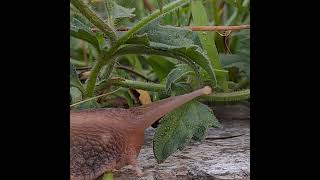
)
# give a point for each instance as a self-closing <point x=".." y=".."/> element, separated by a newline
<point x="107" y="139"/>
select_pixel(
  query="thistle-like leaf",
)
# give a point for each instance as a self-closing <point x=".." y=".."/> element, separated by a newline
<point x="177" y="128"/>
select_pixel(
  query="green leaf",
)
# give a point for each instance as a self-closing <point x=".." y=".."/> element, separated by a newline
<point x="135" y="63"/>
<point x="160" y="4"/>
<point x="238" y="61"/>
<point x="227" y="59"/>
<point x="177" y="128"/>
<point x="160" y="65"/>
<point x="117" y="12"/>
<point x="200" y="134"/>
<point x="242" y="45"/>
<point x="99" y="7"/>
<point x="75" y="94"/>
<point x="106" y="28"/>
<point x="88" y="105"/>
<point x="74" y="80"/>
<point x="167" y="36"/>
<point x="81" y="31"/>
<point x="120" y="12"/>
<point x="232" y="2"/>
<point x="200" y="18"/>
<point x="171" y="42"/>
<point x="176" y="74"/>
<point x="78" y="63"/>
<point x="181" y="88"/>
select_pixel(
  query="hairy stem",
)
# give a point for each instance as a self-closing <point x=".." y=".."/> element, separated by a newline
<point x="96" y="97"/>
<point x="140" y="85"/>
<point x="202" y="28"/>
<point x="108" y="55"/>
<point x="228" y="97"/>
<point x="219" y="28"/>
<point x="143" y="22"/>
<point x="215" y="97"/>
<point x="93" y="78"/>
<point x="94" y="19"/>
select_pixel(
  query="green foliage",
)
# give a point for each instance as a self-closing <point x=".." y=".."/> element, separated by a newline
<point x="200" y="18"/>
<point x="160" y="65"/>
<point x="119" y="12"/>
<point x="156" y="48"/>
<point x="168" y="41"/>
<point x="176" y="74"/>
<point x="177" y="128"/>
<point x="74" y="80"/>
<point x="75" y="94"/>
<point x="160" y="3"/>
<point x="238" y="61"/>
<point x="81" y="31"/>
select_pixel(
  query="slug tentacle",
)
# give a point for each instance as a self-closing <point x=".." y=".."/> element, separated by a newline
<point x="145" y="116"/>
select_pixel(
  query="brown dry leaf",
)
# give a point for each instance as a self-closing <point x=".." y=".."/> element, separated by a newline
<point x="144" y="97"/>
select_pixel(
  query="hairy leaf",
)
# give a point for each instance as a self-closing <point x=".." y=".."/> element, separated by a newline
<point x="160" y="65"/>
<point x="177" y="128"/>
<point x="100" y="8"/>
<point x="135" y="63"/>
<point x="81" y="31"/>
<point x="74" y="80"/>
<point x="75" y="94"/>
<point x="171" y="42"/>
<point x="200" y="18"/>
<point x="180" y="88"/>
<point x="78" y="63"/>
<point x="238" y="61"/>
<point x="160" y="4"/>
<point x="117" y="11"/>
<point x="176" y="74"/>
<point x="88" y="105"/>
<point x="242" y="43"/>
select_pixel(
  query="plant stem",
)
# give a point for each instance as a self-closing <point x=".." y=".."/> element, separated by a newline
<point x="203" y="28"/>
<point x="93" y="78"/>
<point x="143" y="22"/>
<point x="140" y="85"/>
<point x="215" y="97"/>
<point x="108" y="55"/>
<point x="227" y="97"/>
<point x="94" y="19"/>
<point x="218" y="28"/>
<point x="109" y="68"/>
<point x="96" y="97"/>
